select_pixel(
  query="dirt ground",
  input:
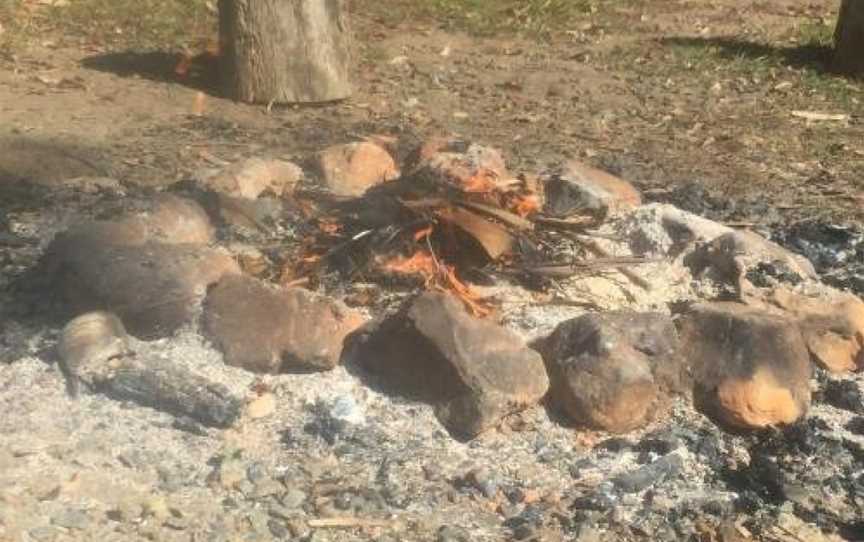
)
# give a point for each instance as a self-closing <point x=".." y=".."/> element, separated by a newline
<point x="692" y="100"/>
<point x="664" y="93"/>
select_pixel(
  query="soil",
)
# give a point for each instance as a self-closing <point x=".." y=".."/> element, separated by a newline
<point x="661" y="93"/>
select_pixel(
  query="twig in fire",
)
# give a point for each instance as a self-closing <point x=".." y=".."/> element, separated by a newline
<point x="446" y="228"/>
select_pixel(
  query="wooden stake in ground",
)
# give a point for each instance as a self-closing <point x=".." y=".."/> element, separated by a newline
<point x="285" y="51"/>
<point x="849" y="54"/>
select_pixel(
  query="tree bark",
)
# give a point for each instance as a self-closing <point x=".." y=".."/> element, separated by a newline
<point x="849" y="52"/>
<point x="285" y="51"/>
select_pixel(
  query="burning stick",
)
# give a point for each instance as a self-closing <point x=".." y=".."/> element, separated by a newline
<point x="597" y="250"/>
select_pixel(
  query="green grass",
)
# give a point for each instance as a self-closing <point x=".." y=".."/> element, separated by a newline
<point x="803" y="57"/>
<point x="151" y="24"/>
<point x="815" y="34"/>
<point x="174" y="24"/>
<point x="534" y="18"/>
<point x="162" y="24"/>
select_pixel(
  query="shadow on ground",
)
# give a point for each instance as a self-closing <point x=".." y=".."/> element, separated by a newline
<point x="47" y="161"/>
<point x="810" y="56"/>
<point x="202" y="71"/>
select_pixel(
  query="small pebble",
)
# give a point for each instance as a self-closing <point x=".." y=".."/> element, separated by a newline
<point x="72" y="519"/>
<point x="343" y="501"/>
<point x="293" y="498"/>
<point x="256" y="472"/>
<point x="267" y="488"/>
<point x="483" y="480"/>
<point x="277" y="529"/>
<point x="156" y="507"/>
<point x="178" y="524"/>
<point x="259" y="522"/>
<point x="452" y="534"/>
<point x="43" y="534"/>
<point x="281" y="512"/>
<point x="261" y="406"/>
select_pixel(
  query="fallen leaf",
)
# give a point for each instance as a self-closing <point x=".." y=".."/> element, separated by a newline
<point x="199" y="104"/>
<point x="814" y="115"/>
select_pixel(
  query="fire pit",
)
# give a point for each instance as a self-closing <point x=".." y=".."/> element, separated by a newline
<point x="403" y="349"/>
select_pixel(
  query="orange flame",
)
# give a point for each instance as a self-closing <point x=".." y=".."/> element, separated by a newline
<point x="440" y="277"/>
<point x="422" y="234"/>
<point x="481" y="182"/>
<point x="420" y="263"/>
<point x="525" y="205"/>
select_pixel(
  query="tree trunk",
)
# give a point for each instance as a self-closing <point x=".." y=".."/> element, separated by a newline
<point x="849" y="54"/>
<point x="285" y="51"/>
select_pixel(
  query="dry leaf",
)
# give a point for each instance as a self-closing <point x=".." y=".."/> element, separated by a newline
<point x="813" y="115"/>
<point x="199" y="104"/>
<point x="494" y="239"/>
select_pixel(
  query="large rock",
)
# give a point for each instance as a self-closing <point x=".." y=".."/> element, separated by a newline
<point x="353" y="168"/>
<point x="154" y="288"/>
<point x="660" y="229"/>
<point x="252" y="177"/>
<point x="460" y="160"/>
<point x="266" y="329"/>
<point x="474" y="371"/>
<point x="168" y="219"/>
<point x="750" y="367"/>
<point x="258" y="214"/>
<point x="747" y="263"/>
<point x="581" y="189"/>
<point x="832" y="326"/>
<point x="611" y="370"/>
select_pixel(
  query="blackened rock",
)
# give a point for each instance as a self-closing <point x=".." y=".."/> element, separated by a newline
<point x="474" y="371"/>
<point x="645" y="476"/>
<point x="659" y="442"/>
<point x="614" y="444"/>
<point x="610" y="370"/>
<point x="579" y="189"/>
<point x="164" y="385"/>
<point x="843" y="394"/>
<point x="856" y="425"/>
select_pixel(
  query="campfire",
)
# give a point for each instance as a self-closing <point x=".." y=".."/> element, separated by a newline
<point x="358" y="297"/>
<point x="468" y="259"/>
<point x="453" y="219"/>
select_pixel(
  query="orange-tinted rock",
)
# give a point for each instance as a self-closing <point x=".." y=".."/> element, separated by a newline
<point x="474" y="371"/>
<point x="751" y="368"/>
<point x="581" y="189"/>
<point x="457" y="164"/>
<point x="266" y="329"/>
<point x="610" y="370"/>
<point x="757" y="401"/>
<point x="353" y="168"/>
<point x="254" y="176"/>
<point x="833" y="327"/>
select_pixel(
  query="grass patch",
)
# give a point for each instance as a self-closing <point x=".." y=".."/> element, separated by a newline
<point x="127" y="24"/>
<point x="535" y="18"/>
<point x="806" y="62"/>
<point x="818" y="34"/>
<point x="151" y="24"/>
